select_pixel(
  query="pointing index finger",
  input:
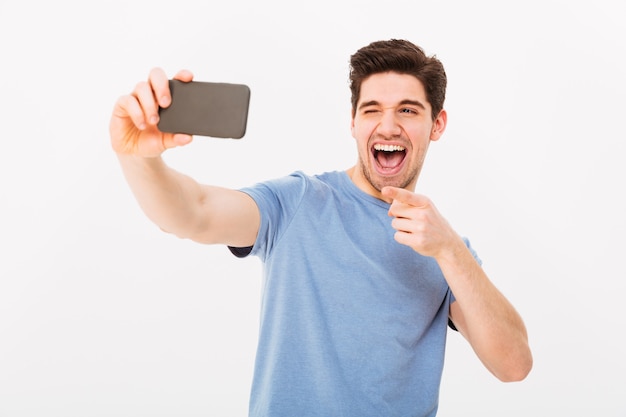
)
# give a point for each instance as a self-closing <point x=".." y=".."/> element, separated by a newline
<point x="405" y="196"/>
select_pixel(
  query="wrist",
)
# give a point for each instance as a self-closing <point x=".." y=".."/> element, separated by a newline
<point x="453" y="252"/>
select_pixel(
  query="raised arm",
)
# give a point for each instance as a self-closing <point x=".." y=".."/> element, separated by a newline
<point x="481" y="313"/>
<point x="175" y="202"/>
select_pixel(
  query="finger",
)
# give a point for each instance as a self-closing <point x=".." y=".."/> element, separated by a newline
<point x="128" y="106"/>
<point x="160" y="86"/>
<point x="184" y="75"/>
<point x="403" y="238"/>
<point x="405" y="196"/>
<point x="405" y="225"/>
<point x="144" y="94"/>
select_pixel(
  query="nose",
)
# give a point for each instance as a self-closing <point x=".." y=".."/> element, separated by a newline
<point x="389" y="125"/>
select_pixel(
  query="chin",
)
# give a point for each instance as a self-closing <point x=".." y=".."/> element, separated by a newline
<point x="396" y="181"/>
<point x="378" y="183"/>
<point x="379" y="180"/>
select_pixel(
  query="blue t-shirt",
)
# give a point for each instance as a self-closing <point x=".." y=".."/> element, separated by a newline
<point x="352" y="322"/>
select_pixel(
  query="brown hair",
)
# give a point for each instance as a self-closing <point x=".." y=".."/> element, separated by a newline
<point x="403" y="57"/>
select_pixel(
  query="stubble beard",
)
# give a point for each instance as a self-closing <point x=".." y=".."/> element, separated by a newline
<point x="400" y="182"/>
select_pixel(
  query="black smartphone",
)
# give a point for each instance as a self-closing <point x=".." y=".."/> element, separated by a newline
<point x="218" y="110"/>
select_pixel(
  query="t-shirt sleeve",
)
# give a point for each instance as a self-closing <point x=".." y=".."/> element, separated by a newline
<point x="240" y="252"/>
<point x="277" y="200"/>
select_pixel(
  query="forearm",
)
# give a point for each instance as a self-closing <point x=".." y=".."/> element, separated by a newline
<point x="170" y="199"/>
<point x="486" y="318"/>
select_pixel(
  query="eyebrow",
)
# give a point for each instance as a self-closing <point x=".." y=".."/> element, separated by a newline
<point x="403" y="102"/>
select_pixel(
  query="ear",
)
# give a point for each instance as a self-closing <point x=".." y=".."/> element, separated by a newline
<point x="439" y="125"/>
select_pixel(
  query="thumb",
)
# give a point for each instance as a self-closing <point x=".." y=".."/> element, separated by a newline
<point x="182" y="140"/>
<point x="174" y="140"/>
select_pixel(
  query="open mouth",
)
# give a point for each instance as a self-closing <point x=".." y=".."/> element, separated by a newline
<point x="388" y="158"/>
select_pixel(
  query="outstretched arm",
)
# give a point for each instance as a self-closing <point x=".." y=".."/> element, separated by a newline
<point x="481" y="313"/>
<point x="175" y="202"/>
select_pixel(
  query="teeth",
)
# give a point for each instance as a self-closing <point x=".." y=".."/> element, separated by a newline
<point x="388" y="148"/>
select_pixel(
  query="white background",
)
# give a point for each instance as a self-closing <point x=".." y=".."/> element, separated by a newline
<point x="103" y="314"/>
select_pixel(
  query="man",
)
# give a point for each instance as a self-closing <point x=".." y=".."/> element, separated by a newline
<point x="362" y="276"/>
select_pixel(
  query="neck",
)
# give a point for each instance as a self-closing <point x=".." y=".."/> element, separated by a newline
<point x="362" y="183"/>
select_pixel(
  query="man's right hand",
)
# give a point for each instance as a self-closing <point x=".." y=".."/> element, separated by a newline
<point x="133" y="127"/>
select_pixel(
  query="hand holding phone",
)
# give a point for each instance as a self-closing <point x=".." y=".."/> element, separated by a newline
<point x="217" y="110"/>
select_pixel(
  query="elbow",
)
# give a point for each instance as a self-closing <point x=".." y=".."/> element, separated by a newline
<point x="188" y="233"/>
<point x="515" y="376"/>
<point x="516" y="371"/>
<point x="180" y="234"/>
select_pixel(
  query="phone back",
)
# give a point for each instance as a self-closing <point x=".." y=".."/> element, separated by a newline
<point x="217" y="110"/>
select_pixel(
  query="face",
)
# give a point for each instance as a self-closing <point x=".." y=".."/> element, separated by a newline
<point x="393" y="127"/>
